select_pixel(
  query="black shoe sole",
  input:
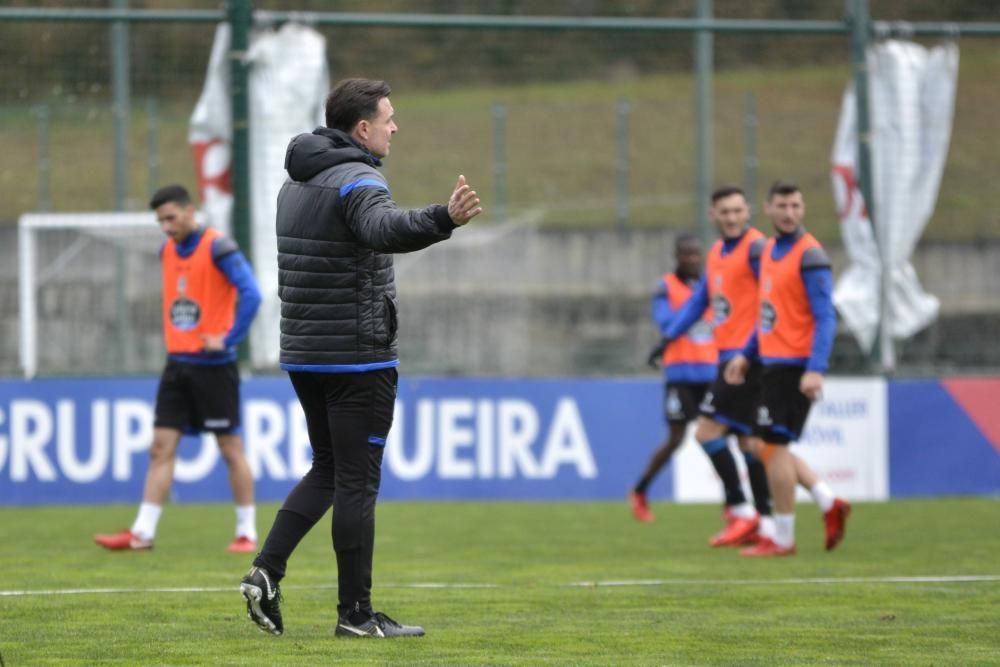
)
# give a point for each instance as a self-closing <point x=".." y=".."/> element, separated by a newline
<point x="344" y="632"/>
<point x="253" y="596"/>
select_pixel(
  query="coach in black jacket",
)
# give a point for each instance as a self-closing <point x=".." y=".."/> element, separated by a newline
<point x="337" y="229"/>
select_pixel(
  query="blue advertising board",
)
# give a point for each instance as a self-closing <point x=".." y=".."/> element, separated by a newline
<point x="86" y="440"/>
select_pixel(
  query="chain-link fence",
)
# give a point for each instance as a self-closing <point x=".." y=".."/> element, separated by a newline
<point x="581" y="142"/>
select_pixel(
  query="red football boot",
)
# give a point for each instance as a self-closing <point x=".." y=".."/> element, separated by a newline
<point x="123" y="541"/>
<point x="242" y="545"/>
<point x="640" y="507"/>
<point x="836" y="521"/>
<point x="735" y="532"/>
<point x="767" y="547"/>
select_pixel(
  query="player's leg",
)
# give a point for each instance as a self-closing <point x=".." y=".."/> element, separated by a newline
<point x="726" y="409"/>
<point x="741" y="518"/>
<point x="172" y="415"/>
<point x="216" y="394"/>
<point x="677" y="421"/>
<point x="162" y="456"/>
<point x="782" y="413"/>
<point x="241" y="483"/>
<point x="835" y="510"/>
<point x="757" y="474"/>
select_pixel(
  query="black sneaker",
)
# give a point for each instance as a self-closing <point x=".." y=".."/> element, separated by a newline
<point x="379" y="626"/>
<point x="262" y="596"/>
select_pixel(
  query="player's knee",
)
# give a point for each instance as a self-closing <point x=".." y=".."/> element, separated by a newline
<point x="751" y="447"/>
<point x="162" y="452"/>
<point x="231" y="449"/>
<point x="714" y="446"/>
<point x="707" y="430"/>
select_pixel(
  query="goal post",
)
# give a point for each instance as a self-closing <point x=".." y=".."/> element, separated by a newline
<point x="98" y="265"/>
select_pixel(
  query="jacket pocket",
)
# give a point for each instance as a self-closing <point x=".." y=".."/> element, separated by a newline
<point x="391" y="322"/>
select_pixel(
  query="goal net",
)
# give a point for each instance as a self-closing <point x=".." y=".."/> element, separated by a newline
<point x="89" y="293"/>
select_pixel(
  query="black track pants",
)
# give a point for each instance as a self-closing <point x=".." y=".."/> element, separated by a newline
<point x="348" y="416"/>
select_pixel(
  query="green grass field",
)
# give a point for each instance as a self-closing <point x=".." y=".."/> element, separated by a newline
<point x="510" y="590"/>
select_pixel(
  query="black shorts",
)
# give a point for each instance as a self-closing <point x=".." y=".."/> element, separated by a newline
<point x="783" y="408"/>
<point x="734" y="405"/>
<point x="680" y="401"/>
<point x="199" y="397"/>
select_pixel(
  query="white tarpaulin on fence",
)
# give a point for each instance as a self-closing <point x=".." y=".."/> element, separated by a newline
<point x="912" y="100"/>
<point x="289" y="82"/>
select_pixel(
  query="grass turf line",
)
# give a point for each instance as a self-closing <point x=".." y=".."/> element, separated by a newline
<point x="530" y="551"/>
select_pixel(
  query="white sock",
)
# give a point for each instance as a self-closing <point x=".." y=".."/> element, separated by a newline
<point x="784" y="535"/>
<point x="743" y="511"/>
<point x="246" y="521"/>
<point x="146" y="520"/>
<point x="767" y="527"/>
<point x="823" y="496"/>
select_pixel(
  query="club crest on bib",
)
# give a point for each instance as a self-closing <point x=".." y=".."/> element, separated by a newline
<point x="768" y="316"/>
<point x="184" y="313"/>
<point x="721" y="308"/>
<point x="701" y="331"/>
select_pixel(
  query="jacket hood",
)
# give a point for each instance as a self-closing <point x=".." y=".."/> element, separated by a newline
<point x="309" y="154"/>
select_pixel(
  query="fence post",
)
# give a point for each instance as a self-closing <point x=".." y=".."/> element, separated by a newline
<point x="44" y="162"/>
<point x="750" y="160"/>
<point x="239" y="13"/>
<point x="704" y="115"/>
<point x="883" y="355"/>
<point x="120" y="106"/>
<point x="623" y="108"/>
<point x="120" y="109"/>
<point x="152" y="143"/>
<point x="500" y="161"/>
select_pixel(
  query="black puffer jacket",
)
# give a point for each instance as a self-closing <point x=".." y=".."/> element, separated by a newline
<point x="337" y="229"/>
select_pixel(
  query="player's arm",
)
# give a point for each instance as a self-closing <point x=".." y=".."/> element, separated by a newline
<point x="660" y="309"/>
<point x="817" y="275"/>
<point x="234" y="266"/>
<point x="690" y="312"/>
<point x="662" y="314"/>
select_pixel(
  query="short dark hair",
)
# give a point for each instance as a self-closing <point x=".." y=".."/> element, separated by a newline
<point x="354" y="100"/>
<point x="724" y="191"/>
<point x="683" y="238"/>
<point x="170" y="194"/>
<point x="782" y="188"/>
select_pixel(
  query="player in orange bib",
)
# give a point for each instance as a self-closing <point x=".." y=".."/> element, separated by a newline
<point x="689" y="363"/>
<point x="793" y="339"/>
<point x="729" y="290"/>
<point x="210" y="298"/>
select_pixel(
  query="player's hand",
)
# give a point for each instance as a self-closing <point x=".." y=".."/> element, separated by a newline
<point x="811" y="385"/>
<point x="214" y="343"/>
<point x="653" y="360"/>
<point x="463" y="205"/>
<point x="736" y="370"/>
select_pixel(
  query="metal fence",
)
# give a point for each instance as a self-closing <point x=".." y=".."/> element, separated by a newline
<point x="588" y="136"/>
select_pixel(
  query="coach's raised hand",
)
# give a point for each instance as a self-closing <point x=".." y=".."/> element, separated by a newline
<point x="463" y="205"/>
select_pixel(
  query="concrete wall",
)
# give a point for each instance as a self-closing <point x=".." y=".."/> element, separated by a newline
<point x="495" y="300"/>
